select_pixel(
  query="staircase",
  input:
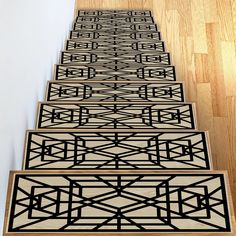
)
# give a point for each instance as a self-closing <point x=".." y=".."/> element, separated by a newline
<point x="116" y="146"/>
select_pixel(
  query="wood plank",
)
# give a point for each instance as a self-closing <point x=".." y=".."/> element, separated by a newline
<point x="229" y="67"/>
<point x="199" y="28"/>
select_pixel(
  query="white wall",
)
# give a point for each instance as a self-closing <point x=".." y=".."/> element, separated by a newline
<point x="32" y="33"/>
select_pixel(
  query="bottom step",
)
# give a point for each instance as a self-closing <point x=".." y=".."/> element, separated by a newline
<point x="77" y="202"/>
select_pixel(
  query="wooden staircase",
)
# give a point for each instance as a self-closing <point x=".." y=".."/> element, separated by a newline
<point x="116" y="147"/>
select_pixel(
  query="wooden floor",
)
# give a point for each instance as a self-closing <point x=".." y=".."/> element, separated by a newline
<point x="201" y="37"/>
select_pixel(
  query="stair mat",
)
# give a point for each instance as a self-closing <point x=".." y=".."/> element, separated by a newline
<point x="115" y="20"/>
<point x="115" y="91"/>
<point x="115" y="13"/>
<point x="187" y="150"/>
<point x="112" y="72"/>
<point x="99" y="202"/>
<point x="96" y="36"/>
<point x="115" y="115"/>
<point x="109" y="57"/>
<point x="118" y="27"/>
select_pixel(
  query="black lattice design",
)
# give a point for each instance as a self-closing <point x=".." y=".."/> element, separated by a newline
<point x="114" y="58"/>
<point x="114" y="115"/>
<point x="115" y="20"/>
<point x="118" y="203"/>
<point x="115" y="91"/>
<point x="119" y="27"/>
<point x="111" y="71"/>
<point x="116" y="150"/>
<point x="117" y="48"/>
<point x="115" y="13"/>
<point x="111" y="35"/>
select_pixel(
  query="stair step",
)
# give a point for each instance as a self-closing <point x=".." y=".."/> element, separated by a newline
<point x="118" y="27"/>
<point x="103" y="57"/>
<point x="111" y="150"/>
<point x="73" y="202"/>
<point x="135" y="36"/>
<point x="112" y="72"/>
<point x="123" y="115"/>
<point x="115" y="20"/>
<point x="115" y="13"/>
<point x="107" y="45"/>
<point x="154" y="46"/>
<point x="115" y="91"/>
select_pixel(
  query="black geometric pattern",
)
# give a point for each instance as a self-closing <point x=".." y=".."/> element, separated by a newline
<point x="118" y="203"/>
<point x="112" y="71"/>
<point x="115" y="91"/>
<point x="96" y="36"/>
<point x="114" y="13"/>
<point x="47" y="150"/>
<point x="115" y="26"/>
<point x="118" y="59"/>
<point x="115" y="115"/>
<point x="115" y="20"/>
<point x="115" y="46"/>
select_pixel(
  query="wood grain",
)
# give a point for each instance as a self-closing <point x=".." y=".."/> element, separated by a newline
<point x="201" y="37"/>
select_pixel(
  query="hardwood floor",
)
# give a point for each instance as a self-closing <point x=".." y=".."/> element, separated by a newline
<point x="201" y="37"/>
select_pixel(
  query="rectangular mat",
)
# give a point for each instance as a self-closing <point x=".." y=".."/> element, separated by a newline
<point x="116" y="26"/>
<point x="78" y="202"/>
<point x="55" y="150"/>
<point x="115" y="115"/>
<point x="114" y="72"/>
<point x="115" y="91"/>
<point x="115" y="20"/>
<point x="115" y="13"/>
<point x="119" y="47"/>
<point x="113" y="45"/>
<point x="119" y="58"/>
<point x="134" y="36"/>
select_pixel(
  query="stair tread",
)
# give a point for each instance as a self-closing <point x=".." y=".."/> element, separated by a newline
<point x="115" y="91"/>
<point x="128" y="35"/>
<point x="186" y="150"/>
<point x="75" y="72"/>
<point x="118" y="19"/>
<point x="92" y="26"/>
<point x="114" y="13"/>
<point x="107" y="57"/>
<point x="156" y="202"/>
<point x="116" y="115"/>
